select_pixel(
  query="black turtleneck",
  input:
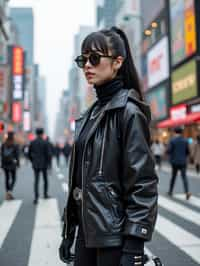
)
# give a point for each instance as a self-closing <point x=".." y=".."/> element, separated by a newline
<point x="106" y="91"/>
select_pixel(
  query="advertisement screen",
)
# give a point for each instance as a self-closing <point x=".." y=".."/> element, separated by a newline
<point x="17" y="72"/>
<point x="157" y="100"/>
<point x="184" y="82"/>
<point x="16" y="112"/>
<point x="27" y="121"/>
<point x="158" y="63"/>
<point x="183" y="29"/>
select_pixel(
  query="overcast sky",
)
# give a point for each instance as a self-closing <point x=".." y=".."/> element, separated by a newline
<point x="56" y="22"/>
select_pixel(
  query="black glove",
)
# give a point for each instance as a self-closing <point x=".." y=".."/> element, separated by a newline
<point x="132" y="259"/>
<point x="64" y="251"/>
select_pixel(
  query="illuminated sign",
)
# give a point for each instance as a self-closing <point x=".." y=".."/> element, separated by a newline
<point x="17" y="72"/>
<point x="16" y="112"/>
<point x="27" y="121"/>
<point x="183" y="29"/>
<point x="178" y="112"/>
<point x="158" y="101"/>
<point x="184" y="82"/>
<point x="158" y="63"/>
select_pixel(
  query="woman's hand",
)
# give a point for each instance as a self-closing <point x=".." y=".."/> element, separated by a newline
<point x="64" y="251"/>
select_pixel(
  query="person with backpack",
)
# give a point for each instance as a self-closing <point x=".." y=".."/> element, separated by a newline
<point x="9" y="163"/>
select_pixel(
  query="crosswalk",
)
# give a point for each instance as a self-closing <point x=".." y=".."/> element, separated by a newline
<point x="174" y="226"/>
<point x="46" y="231"/>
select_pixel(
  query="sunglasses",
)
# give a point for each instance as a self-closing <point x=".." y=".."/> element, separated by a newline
<point x="94" y="59"/>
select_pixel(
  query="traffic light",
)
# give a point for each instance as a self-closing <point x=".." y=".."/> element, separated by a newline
<point x="1" y="127"/>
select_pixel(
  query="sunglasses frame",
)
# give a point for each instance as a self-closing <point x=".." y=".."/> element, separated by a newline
<point x="86" y="58"/>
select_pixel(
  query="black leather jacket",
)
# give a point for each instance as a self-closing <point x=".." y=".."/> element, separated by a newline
<point x="118" y="177"/>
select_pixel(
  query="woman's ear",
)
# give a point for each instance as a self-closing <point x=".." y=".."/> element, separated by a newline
<point x="118" y="62"/>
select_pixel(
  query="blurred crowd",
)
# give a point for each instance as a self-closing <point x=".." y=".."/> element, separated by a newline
<point x="40" y="152"/>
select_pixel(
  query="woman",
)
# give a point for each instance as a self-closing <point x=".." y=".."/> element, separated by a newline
<point x="112" y="182"/>
<point x="9" y="162"/>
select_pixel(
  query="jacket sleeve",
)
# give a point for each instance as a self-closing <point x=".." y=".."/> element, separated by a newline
<point x="139" y="179"/>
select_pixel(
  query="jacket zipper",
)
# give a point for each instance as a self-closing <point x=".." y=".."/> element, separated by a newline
<point x="102" y="150"/>
<point x="83" y="222"/>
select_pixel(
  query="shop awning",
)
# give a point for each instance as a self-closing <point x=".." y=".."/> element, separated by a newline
<point x="189" y="119"/>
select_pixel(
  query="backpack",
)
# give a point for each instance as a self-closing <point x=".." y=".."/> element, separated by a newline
<point x="8" y="154"/>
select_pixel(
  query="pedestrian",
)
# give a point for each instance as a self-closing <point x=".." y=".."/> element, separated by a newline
<point x="195" y="154"/>
<point x="158" y="151"/>
<point x="178" y="151"/>
<point x="66" y="151"/>
<point x="112" y="182"/>
<point x="57" y="152"/>
<point x="39" y="155"/>
<point x="9" y="163"/>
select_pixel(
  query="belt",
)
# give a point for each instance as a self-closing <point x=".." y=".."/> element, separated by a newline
<point x="77" y="193"/>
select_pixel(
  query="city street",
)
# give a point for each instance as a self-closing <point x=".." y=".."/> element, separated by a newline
<point x="30" y="235"/>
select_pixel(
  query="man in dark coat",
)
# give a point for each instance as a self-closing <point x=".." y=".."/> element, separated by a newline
<point x="178" y="151"/>
<point x="39" y="154"/>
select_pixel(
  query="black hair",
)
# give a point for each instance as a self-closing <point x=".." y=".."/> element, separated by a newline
<point x="178" y="130"/>
<point x="10" y="138"/>
<point x="39" y="131"/>
<point x="115" y="40"/>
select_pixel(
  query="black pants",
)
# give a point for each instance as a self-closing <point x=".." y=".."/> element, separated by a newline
<point x="10" y="179"/>
<point x="109" y="256"/>
<point x="36" y="184"/>
<point x="175" y="169"/>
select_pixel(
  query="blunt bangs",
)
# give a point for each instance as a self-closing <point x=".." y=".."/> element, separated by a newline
<point x="95" y="41"/>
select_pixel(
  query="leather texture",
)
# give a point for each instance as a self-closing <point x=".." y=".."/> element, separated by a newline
<point x="118" y="177"/>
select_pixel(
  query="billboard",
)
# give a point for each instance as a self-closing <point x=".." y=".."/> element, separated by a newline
<point x="183" y="29"/>
<point x="4" y="82"/>
<point x="158" y="63"/>
<point x="17" y="72"/>
<point x="158" y="101"/>
<point x="16" y="112"/>
<point x="184" y="82"/>
<point x="27" y="121"/>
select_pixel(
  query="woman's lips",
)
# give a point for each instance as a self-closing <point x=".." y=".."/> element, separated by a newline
<point x="89" y="74"/>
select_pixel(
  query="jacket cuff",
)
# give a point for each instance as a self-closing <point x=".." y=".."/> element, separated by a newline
<point x="139" y="230"/>
<point x="134" y="245"/>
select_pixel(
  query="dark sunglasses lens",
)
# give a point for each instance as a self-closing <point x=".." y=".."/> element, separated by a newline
<point x="94" y="59"/>
<point x="81" y="61"/>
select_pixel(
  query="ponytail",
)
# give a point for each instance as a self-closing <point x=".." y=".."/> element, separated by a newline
<point x="128" y="70"/>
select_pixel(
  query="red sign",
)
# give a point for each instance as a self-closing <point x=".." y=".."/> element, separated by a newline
<point x="18" y="61"/>
<point x="16" y="112"/>
<point x="178" y="112"/>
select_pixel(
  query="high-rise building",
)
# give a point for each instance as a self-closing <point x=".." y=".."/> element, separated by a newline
<point x="106" y="12"/>
<point x="24" y="20"/>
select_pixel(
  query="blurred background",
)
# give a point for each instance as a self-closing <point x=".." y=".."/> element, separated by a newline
<point x="41" y="86"/>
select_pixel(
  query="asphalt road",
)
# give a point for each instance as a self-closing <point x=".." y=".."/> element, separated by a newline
<point x="30" y="235"/>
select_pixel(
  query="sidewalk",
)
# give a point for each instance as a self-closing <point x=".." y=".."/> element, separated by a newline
<point x="166" y="167"/>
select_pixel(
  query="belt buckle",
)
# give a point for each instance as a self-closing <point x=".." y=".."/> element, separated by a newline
<point x="77" y="193"/>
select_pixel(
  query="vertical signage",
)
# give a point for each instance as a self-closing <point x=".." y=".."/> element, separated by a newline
<point x="16" y="112"/>
<point x="17" y="72"/>
<point x="27" y="121"/>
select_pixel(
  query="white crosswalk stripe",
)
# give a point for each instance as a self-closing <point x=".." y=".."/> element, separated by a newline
<point x="8" y="213"/>
<point x="195" y="201"/>
<point x="184" y="240"/>
<point x="46" y="232"/>
<point x="46" y="236"/>
<point x="180" y="210"/>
